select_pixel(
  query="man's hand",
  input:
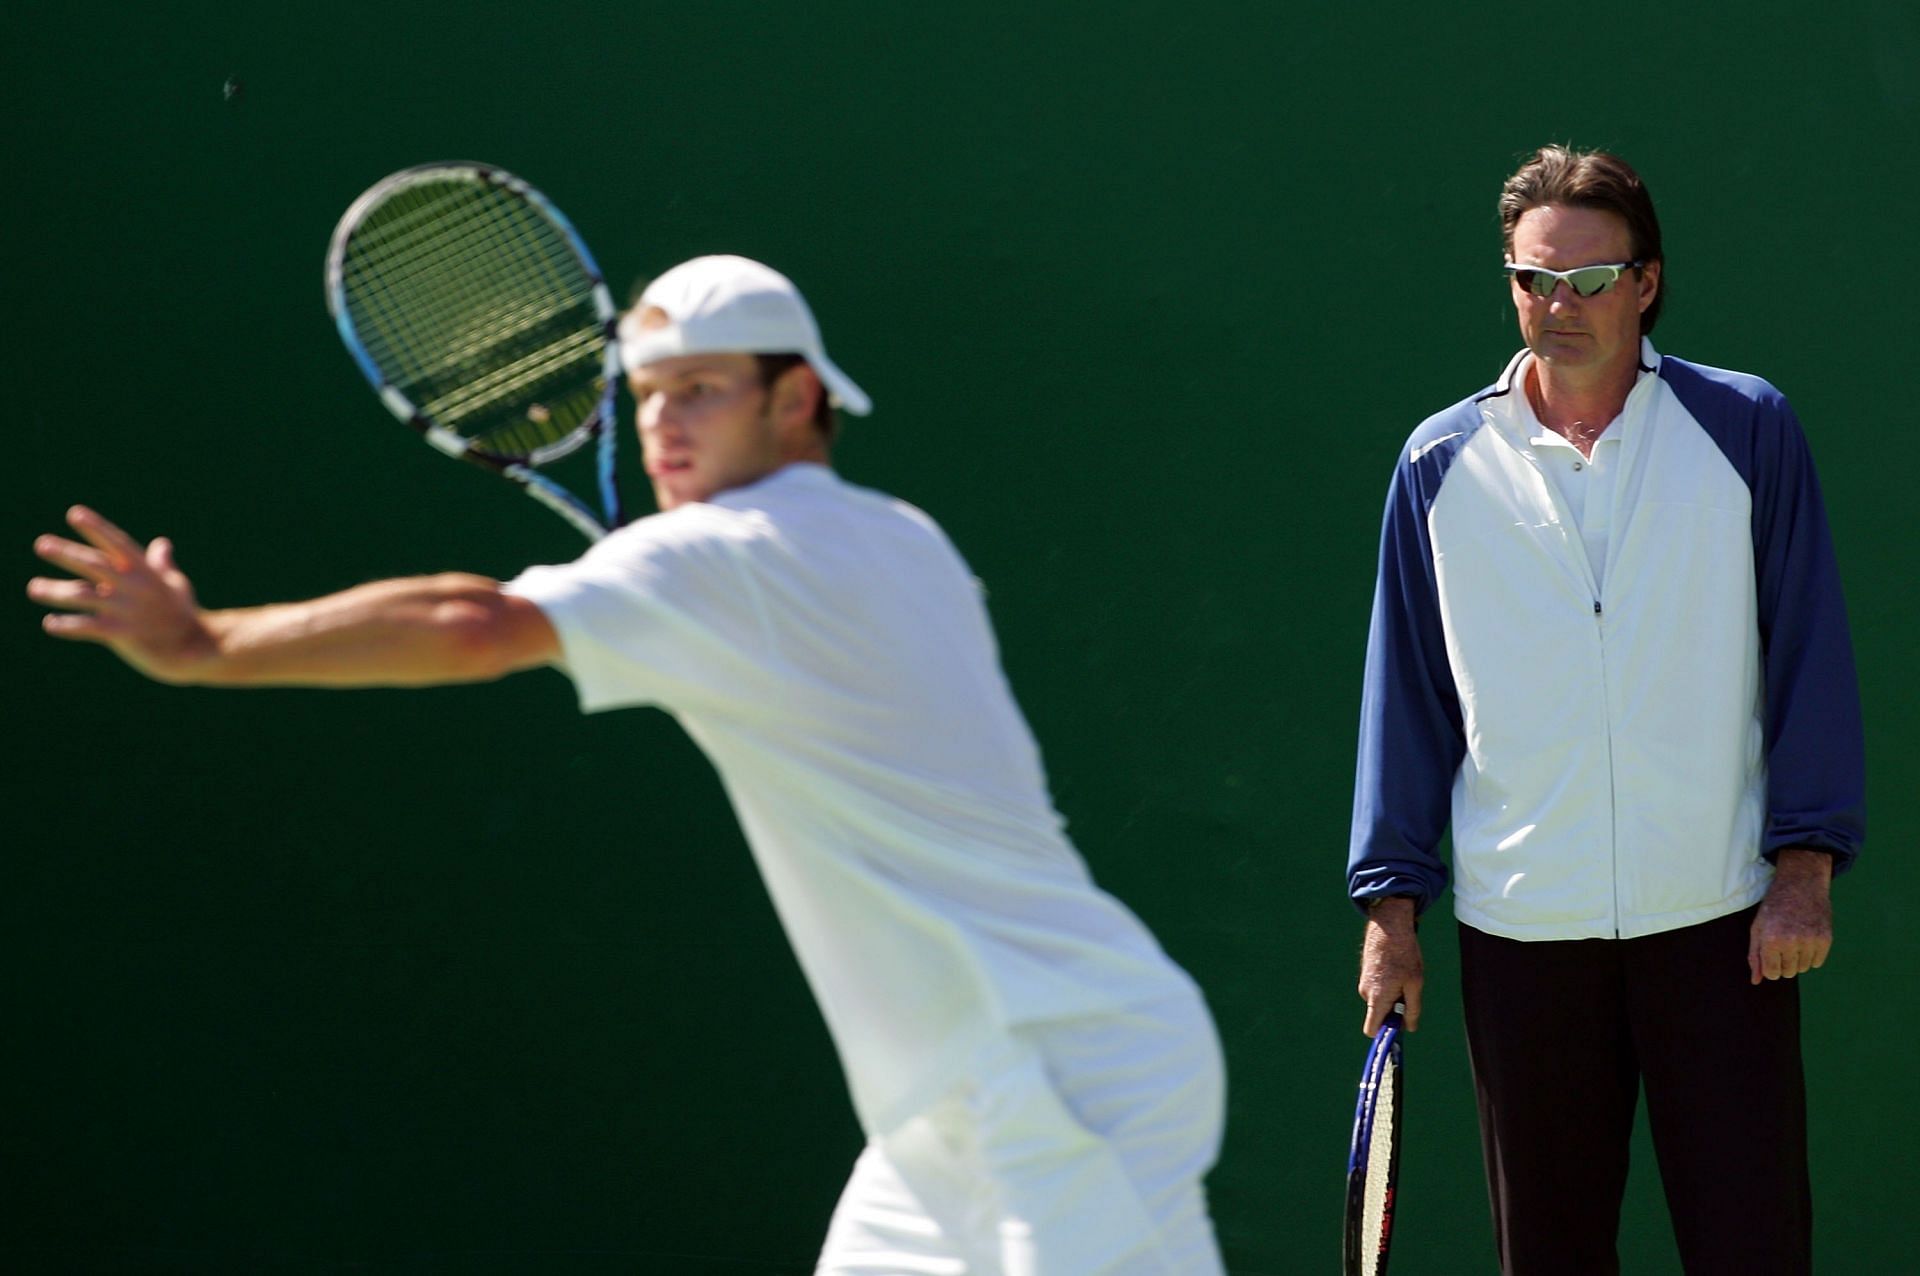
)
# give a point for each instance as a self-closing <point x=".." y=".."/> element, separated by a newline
<point x="1793" y="931"/>
<point x="132" y="600"/>
<point x="1391" y="968"/>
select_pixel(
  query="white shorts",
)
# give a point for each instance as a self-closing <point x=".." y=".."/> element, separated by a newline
<point x="1076" y="1149"/>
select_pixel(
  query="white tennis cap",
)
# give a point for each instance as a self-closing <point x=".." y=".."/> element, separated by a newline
<point x="724" y="305"/>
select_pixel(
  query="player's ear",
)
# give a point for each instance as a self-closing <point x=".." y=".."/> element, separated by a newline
<point x="1649" y="284"/>
<point x="796" y="398"/>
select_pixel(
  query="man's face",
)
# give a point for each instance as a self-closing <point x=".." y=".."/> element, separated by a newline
<point x="705" y="426"/>
<point x="1567" y="332"/>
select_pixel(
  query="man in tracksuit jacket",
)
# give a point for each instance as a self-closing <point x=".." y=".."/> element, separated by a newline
<point x="1609" y="651"/>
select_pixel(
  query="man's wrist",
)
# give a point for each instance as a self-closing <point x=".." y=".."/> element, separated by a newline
<point x="1390" y="910"/>
<point x="1808" y="862"/>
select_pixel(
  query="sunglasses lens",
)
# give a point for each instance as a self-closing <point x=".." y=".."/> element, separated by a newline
<point x="1593" y="280"/>
<point x="1535" y="282"/>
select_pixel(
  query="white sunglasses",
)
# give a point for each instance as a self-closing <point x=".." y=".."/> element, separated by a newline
<point x="1586" y="281"/>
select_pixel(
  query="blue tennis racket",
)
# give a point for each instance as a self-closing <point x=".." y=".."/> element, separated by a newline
<point x="472" y="306"/>
<point x="1373" y="1157"/>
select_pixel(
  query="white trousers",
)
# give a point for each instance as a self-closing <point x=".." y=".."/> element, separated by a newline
<point x="1076" y="1149"/>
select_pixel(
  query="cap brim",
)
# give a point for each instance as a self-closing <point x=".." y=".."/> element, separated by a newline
<point x="847" y="396"/>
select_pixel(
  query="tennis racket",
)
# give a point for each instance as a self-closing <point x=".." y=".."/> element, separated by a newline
<point x="1373" y="1159"/>
<point x="472" y="306"/>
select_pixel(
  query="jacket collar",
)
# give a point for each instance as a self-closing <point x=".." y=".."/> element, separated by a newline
<point x="1497" y="401"/>
<point x="1510" y="377"/>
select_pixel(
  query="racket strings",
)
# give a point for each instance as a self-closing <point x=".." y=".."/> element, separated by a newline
<point x="412" y="272"/>
<point x="445" y="317"/>
<point x="475" y="305"/>
<point x="1376" y="1202"/>
<point x="426" y="242"/>
<point x="431" y="252"/>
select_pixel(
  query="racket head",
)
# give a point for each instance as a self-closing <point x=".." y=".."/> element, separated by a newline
<point x="474" y="309"/>
<point x="1373" y="1155"/>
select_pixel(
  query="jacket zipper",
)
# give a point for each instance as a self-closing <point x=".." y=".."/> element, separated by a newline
<point x="1606" y="714"/>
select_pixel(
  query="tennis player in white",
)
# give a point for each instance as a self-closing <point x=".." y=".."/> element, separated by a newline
<point x="1041" y="1086"/>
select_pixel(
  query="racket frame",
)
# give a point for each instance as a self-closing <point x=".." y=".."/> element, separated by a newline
<point x="601" y="425"/>
<point x="1380" y="1076"/>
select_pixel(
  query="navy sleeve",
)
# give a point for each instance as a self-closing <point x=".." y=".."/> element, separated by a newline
<point x="1816" y="754"/>
<point x="1411" y="737"/>
<point x="1815" y="750"/>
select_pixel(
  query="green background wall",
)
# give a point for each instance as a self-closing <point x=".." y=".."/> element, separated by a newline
<point x="1148" y="295"/>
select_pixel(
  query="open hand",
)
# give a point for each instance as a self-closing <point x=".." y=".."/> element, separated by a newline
<point x="132" y="600"/>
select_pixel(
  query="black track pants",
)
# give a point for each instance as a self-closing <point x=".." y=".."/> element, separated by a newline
<point x="1564" y="1033"/>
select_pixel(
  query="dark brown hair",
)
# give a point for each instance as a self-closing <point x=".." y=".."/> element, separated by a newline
<point x="1588" y="179"/>
<point x="773" y="366"/>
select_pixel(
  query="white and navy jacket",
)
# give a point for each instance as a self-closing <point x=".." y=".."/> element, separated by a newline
<point x="1621" y="760"/>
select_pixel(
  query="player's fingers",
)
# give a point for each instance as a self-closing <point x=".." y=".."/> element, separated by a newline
<point x="1753" y="952"/>
<point x="1386" y="995"/>
<point x="80" y="628"/>
<point x="1379" y="999"/>
<point x="76" y="558"/>
<point x="75" y="594"/>
<point x="160" y="558"/>
<point x="1377" y="1008"/>
<point x="121" y="549"/>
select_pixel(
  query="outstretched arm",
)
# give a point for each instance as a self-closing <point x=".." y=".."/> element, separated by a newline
<point x="418" y="631"/>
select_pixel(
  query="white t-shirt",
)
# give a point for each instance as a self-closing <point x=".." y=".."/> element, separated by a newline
<point x="829" y="650"/>
<point x="1585" y="484"/>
